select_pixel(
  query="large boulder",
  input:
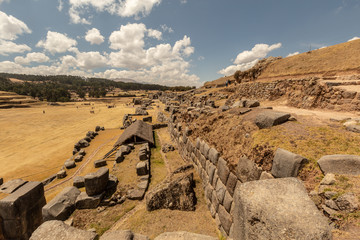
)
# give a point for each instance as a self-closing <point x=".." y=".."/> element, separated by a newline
<point x="267" y="119"/>
<point x="123" y="235"/>
<point x="20" y="212"/>
<point x="12" y="185"/>
<point x="100" y="163"/>
<point x="141" y="111"/>
<point x="247" y="170"/>
<point x="62" y="206"/>
<point x="95" y="183"/>
<point x="175" y="195"/>
<point x="276" y="209"/>
<point x="142" y="168"/>
<point x="287" y="164"/>
<point x="58" y="230"/>
<point x="340" y="164"/>
<point x="84" y="201"/>
<point x="183" y="236"/>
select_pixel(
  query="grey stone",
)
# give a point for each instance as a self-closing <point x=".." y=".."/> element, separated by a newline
<point x="227" y="201"/>
<point x="198" y="141"/>
<point x="135" y="194"/>
<point x="20" y="212"/>
<point x="61" y="174"/>
<point x="96" y="183"/>
<point x="328" y="211"/>
<point x="353" y="128"/>
<point x="247" y="170"/>
<point x="62" y="206"/>
<point x="125" y="149"/>
<point x="331" y="204"/>
<point x="231" y="183"/>
<point x="12" y="185"/>
<point x="238" y="104"/>
<point x="58" y="230"/>
<point x="220" y="191"/>
<point x="70" y="164"/>
<point x="143" y="184"/>
<point x="268" y="118"/>
<point x="208" y="192"/>
<point x="215" y="179"/>
<point x="142" y="168"/>
<point x="224" y="108"/>
<point x="78" y="158"/>
<point x="223" y="170"/>
<point x="276" y="209"/>
<point x="225" y="219"/>
<point x="100" y="163"/>
<point x="119" y="156"/>
<point x="97" y="128"/>
<point x="215" y="201"/>
<point x="123" y="235"/>
<point x="329" y="194"/>
<point x="252" y="103"/>
<point x="205" y="151"/>
<point x="143" y="155"/>
<point x="287" y="164"/>
<point x="84" y="201"/>
<point x="348" y="202"/>
<point x="340" y="164"/>
<point x="210" y="171"/>
<point x="79" y="182"/>
<point x="82" y="152"/>
<point x="265" y="175"/>
<point x="213" y="156"/>
<point x="183" y="236"/>
<point x="329" y="179"/>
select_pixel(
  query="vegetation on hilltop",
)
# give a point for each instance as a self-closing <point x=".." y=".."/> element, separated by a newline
<point x="57" y="88"/>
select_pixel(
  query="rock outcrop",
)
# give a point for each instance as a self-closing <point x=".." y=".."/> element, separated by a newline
<point x="340" y="164"/>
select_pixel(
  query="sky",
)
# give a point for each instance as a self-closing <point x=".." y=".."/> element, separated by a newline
<point x="168" y="42"/>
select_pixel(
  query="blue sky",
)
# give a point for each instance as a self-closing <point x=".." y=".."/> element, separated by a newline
<point x="171" y="42"/>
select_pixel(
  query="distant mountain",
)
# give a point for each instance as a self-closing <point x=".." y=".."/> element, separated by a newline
<point x="126" y="80"/>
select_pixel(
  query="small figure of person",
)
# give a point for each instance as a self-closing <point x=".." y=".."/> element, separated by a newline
<point x="227" y="83"/>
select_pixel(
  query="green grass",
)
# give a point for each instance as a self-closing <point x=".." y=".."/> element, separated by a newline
<point x="157" y="164"/>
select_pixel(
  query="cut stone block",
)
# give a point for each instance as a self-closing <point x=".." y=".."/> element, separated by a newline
<point x="96" y="183"/>
<point x="287" y="164"/>
<point x="340" y="164"/>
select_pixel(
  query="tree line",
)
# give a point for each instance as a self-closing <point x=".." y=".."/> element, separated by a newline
<point x="58" y="88"/>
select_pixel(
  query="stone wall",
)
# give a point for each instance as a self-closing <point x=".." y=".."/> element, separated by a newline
<point x="219" y="182"/>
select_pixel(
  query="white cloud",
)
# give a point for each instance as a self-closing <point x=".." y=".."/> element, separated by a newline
<point x="8" y="47"/>
<point x="32" y="57"/>
<point x="292" y="54"/>
<point x="129" y="38"/>
<point x="354" y="38"/>
<point x="87" y="60"/>
<point x="183" y="1"/>
<point x="93" y="36"/>
<point x="155" y="34"/>
<point x="247" y="59"/>
<point x="11" y="27"/>
<point x="123" y="8"/>
<point x="56" y="42"/>
<point x="165" y="28"/>
<point x="60" y="6"/>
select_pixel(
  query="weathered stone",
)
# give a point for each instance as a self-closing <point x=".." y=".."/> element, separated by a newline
<point x="70" y="164"/>
<point x="215" y="179"/>
<point x="276" y="209"/>
<point x="97" y="128"/>
<point x="227" y="201"/>
<point x="48" y="180"/>
<point x="198" y="141"/>
<point x="213" y="156"/>
<point x="331" y="204"/>
<point x="143" y="185"/>
<point x="143" y="155"/>
<point x="265" y="175"/>
<point x="210" y="171"/>
<point x="167" y="148"/>
<point x="58" y="230"/>
<point x="252" y="103"/>
<point x="96" y="182"/>
<point x="215" y="201"/>
<point x="84" y="201"/>
<point x="119" y="156"/>
<point x="287" y="164"/>
<point x="270" y="118"/>
<point x="82" y="143"/>
<point x="82" y="152"/>
<point x="340" y="164"/>
<point x="208" y="192"/>
<point x="238" y="104"/>
<point x="176" y="195"/>
<point x="123" y="235"/>
<point x="329" y="179"/>
<point x="141" y="111"/>
<point x="78" y="158"/>
<point x="220" y="191"/>
<point x="20" y="212"/>
<point x="202" y="161"/>
<point x="135" y="194"/>
<point x="61" y="174"/>
<point x="231" y="183"/>
<point x="247" y="170"/>
<point x="12" y="185"/>
<point x="142" y="168"/>
<point x="348" y="202"/>
<point x="62" y="206"/>
<point x="353" y="128"/>
<point x="329" y="194"/>
<point x="225" y="219"/>
<point x="100" y="163"/>
<point x="223" y="170"/>
<point x="125" y="149"/>
<point x="183" y="236"/>
<point x="79" y="182"/>
<point x="224" y="108"/>
<point x="205" y="150"/>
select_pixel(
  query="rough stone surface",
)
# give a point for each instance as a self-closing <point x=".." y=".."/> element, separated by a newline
<point x="176" y="195"/>
<point x="265" y="175"/>
<point x="20" y="212"/>
<point x="183" y="236"/>
<point x="58" y="230"/>
<point x="79" y="182"/>
<point x="225" y="219"/>
<point x="12" y="185"/>
<point x="340" y="164"/>
<point x="99" y="163"/>
<point x="123" y="235"/>
<point x="247" y="170"/>
<point x="252" y="103"/>
<point x="78" y="158"/>
<point x="347" y="202"/>
<point x="70" y="164"/>
<point x="287" y="164"/>
<point x="62" y="206"/>
<point x="142" y="168"/>
<point x="119" y="156"/>
<point x="227" y="202"/>
<point x="95" y="183"/>
<point x="353" y="128"/>
<point x="223" y="170"/>
<point x="84" y="201"/>
<point x="277" y="209"/>
<point x="329" y="179"/>
<point x="220" y="191"/>
<point x="213" y="156"/>
<point x="270" y="118"/>
<point x="135" y="194"/>
<point x="231" y="183"/>
<point x="61" y="174"/>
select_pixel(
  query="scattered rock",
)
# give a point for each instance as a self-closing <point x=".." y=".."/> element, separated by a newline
<point x="78" y="158"/>
<point x="247" y="170"/>
<point x="79" y="182"/>
<point x="142" y="168"/>
<point x="97" y="128"/>
<point x="12" y="185"/>
<point x="183" y="236"/>
<point x="167" y="148"/>
<point x="329" y="194"/>
<point x="267" y="119"/>
<point x="331" y="204"/>
<point x="82" y="152"/>
<point x="95" y="183"/>
<point x="100" y="163"/>
<point x="141" y="111"/>
<point x="340" y="164"/>
<point x="329" y="179"/>
<point x="135" y="194"/>
<point x="353" y="128"/>
<point x="58" y="230"/>
<point x="84" y="201"/>
<point x="175" y="195"/>
<point x="251" y="103"/>
<point x="348" y="202"/>
<point x="224" y="108"/>
<point x="265" y="175"/>
<point x="287" y="164"/>
<point x="70" y="164"/>
<point x="61" y="174"/>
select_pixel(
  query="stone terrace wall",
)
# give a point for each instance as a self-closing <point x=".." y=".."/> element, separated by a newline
<point x="218" y="182"/>
<point x="302" y="93"/>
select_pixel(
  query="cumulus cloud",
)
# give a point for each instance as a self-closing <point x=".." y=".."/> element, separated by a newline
<point x="87" y="60"/>
<point x="292" y="54"/>
<point x="11" y="27"/>
<point x="354" y="38"/>
<point x="123" y="8"/>
<point x="247" y="59"/>
<point x="93" y="36"/>
<point x="56" y="42"/>
<point x="60" y="6"/>
<point x="130" y="37"/>
<point x="8" y="47"/>
<point x="166" y="28"/>
<point x="155" y="34"/>
<point x="183" y="1"/>
<point x="32" y="57"/>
